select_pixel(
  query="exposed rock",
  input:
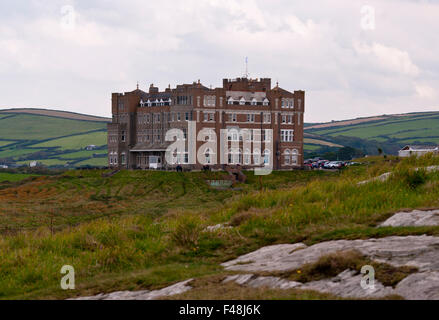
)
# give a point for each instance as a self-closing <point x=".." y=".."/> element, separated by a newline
<point x="413" y="218"/>
<point x="177" y="288"/>
<point x="420" y="286"/>
<point x="421" y="252"/>
<point x="418" y="251"/>
<point x="386" y="176"/>
<point x="217" y="227"/>
<point x="255" y="282"/>
<point x="346" y="284"/>
<point x="380" y="178"/>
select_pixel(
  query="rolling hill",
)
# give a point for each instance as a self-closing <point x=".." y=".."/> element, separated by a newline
<point x="59" y="138"/>
<point x="388" y="132"/>
<point x="54" y="138"/>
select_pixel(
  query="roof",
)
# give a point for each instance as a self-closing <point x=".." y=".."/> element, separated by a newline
<point x="420" y="147"/>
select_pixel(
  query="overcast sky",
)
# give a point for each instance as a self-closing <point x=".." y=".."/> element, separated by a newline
<point x="353" y="58"/>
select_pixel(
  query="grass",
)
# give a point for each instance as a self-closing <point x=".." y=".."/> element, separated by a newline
<point x="95" y="162"/>
<point x="82" y="154"/>
<point x="16" y="152"/>
<point x="12" y="177"/>
<point x="5" y="143"/>
<point x="45" y="138"/>
<point x="33" y="127"/>
<point x="145" y="230"/>
<point x="77" y="141"/>
<point x="331" y="265"/>
<point x="46" y="162"/>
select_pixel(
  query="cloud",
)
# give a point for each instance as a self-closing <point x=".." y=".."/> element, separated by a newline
<point x="392" y="59"/>
<point x="321" y="48"/>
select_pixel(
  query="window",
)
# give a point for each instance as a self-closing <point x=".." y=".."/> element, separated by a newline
<point x="287" y="135"/>
<point x="266" y="156"/>
<point x="242" y="101"/>
<point x="292" y="103"/>
<point x="122" y="138"/>
<point x="267" y="117"/>
<point x="147" y="118"/>
<point x="232" y="117"/>
<point x="284" y="103"/>
<point x="295" y="157"/>
<point x="233" y="135"/>
<point x="123" y="158"/>
<point x="186" y="116"/>
<point x="290" y="119"/>
<point x="178" y="116"/>
<point x="250" y="118"/>
<point x="209" y="101"/>
<point x="254" y="102"/>
<point x="247" y="156"/>
<point x="284" y="119"/>
<point x="206" y="116"/>
<point x="287" y="157"/>
<point x="265" y="102"/>
<point x="235" y="156"/>
<point x="230" y="100"/>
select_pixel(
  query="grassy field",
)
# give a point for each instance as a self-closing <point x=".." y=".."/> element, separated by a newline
<point x="77" y="141"/>
<point x="12" y="177"/>
<point x="395" y="130"/>
<point x="47" y="136"/>
<point x="145" y="230"/>
<point x="34" y="127"/>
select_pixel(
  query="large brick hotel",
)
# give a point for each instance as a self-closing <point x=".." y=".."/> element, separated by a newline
<point x="136" y="136"/>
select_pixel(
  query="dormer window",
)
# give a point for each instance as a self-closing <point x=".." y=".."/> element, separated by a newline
<point x="142" y="104"/>
<point x="156" y="102"/>
<point x="242" y="101"/>
<point x="230" y="100"/>
<point x="169" y="101"/>
<point x="254" y="102"/>
<point x="265" y="102"/>
<point x="149" y="103"/>
<point x="162" y="103"/>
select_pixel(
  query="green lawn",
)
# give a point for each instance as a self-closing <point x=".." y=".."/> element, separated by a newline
<point x="77" y="141"/>
<point x="34" y="127"/>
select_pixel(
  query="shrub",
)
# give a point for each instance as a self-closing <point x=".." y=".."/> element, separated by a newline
<point x="411" y="178"/>
<point x="188" y="230"/>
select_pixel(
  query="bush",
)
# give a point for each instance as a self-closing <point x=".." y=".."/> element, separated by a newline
<point x="188" y="230"/>
<point x="411" y="178"/>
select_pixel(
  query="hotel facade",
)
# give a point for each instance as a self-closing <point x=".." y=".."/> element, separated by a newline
<point x="141" y="120"/>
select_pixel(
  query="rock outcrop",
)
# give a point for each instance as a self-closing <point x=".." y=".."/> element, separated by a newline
<point x="177" y="288"/>
<point x="421" y="252"/>
<point x="415" y="218"/>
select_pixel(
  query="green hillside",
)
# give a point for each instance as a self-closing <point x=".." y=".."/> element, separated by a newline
<point x="388" y="132"/>
<point x="58" y="138"/>
<point x="53" y="138"/>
